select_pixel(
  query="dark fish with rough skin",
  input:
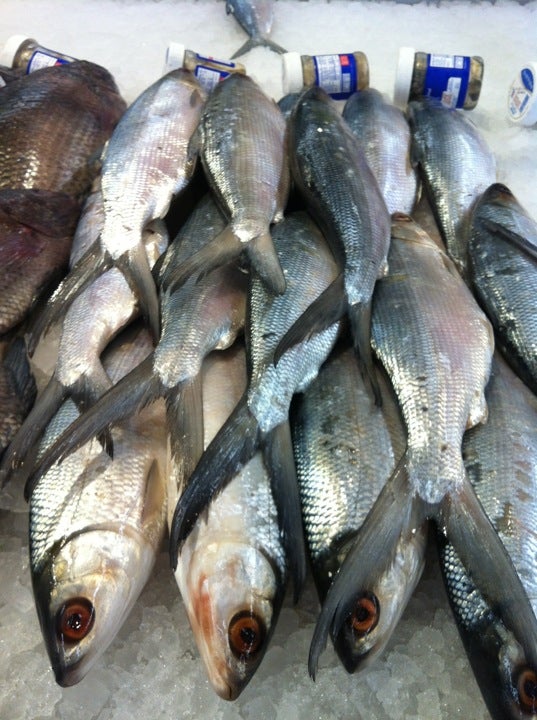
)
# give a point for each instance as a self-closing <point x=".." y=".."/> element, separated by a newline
<point x="52" y="122"/>
<point x="345" y="450"/>
<point x="503" y="270"/>
<point x="501" y="459"/>
<point x="256" y="17"/>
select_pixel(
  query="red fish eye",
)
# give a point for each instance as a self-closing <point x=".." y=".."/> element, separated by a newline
<point x="246" y="633"/>
<point x="527" y="690"/>
<point x="365" y="615"/>
<point x="75" y="619"/>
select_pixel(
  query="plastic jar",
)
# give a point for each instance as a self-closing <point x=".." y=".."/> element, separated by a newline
<point x="26" y="53"/>
<point x="340" y="75"/>
<point x="522" y="96"/>
<point x="452" y="80"/>
<point x="208" y="71"/>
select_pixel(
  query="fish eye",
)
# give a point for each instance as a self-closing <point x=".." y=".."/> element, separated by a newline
<point x="74" y="620"/>
<point x="527" y="690"/>
<point x="365" y="615"/>
<point x="246" y="633"/>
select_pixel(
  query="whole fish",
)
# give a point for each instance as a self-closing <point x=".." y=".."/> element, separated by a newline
<point x="96" y="525"/>
<point x="456" y="166"/>
<point x="384" y="134"/>
<point x="231" y="570"/>
<point x="241" y="136"/>
<point x="17" y="391"/>
<point x="51" y="124"/>
<point x="330" y="170"/>
<point x="36" y="231"/>
<point x="503" y="269"/>
<point x="501" y="459"/>
<point x="260" y="418"/>
<point x="346" y="449"/>
<point x="145" y="163"/>
<point x="256" y="17"/>
<point x="436" y="346"/>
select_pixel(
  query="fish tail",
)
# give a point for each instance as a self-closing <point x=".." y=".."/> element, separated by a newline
<point x="323" y="312"/>
<point x="231" y="448"/>
<point x="85" y="392"/>
<point x="135" y="268"/>
<point x="463" y="521"/>
<point x="360" y="317"/>
<point x="279" y="461"/>
<point x="264" y="259"/>
<point x="16" y="361"/>
<point x="257" y="41"/>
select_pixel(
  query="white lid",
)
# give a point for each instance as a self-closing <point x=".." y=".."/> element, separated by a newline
<point x="403" y="76"/>
<point x="10" y="49"/>
<point x="522" y="96"/>
<point x="292" y="77"/>
<point x="175" y="57"/>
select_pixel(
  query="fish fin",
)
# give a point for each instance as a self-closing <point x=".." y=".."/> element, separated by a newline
<point x="85" y="392"/>
<point x="257" y="41"/>
<point x="224" y="247"/>
<point x="323" y="312"/>
<point x="513" y="238"/>
<point x="264" y="259"/>
<point x="231" y="448"/>
<point x="464" y="522"/>
<point x="91" y="265"/>
<point x="280" y="463"/>
<point x="17" y="363"/>
<point x="135" y="268"/>
<point x="360" y="317"/>
<point x="33" y="427"/>
<point x="395" y="512"/>
<point x="133" y="392"/>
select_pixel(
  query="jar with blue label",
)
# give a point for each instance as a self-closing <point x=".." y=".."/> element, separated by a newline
<point x="340" y="74"/>
<point x="522" y="96"/>
<point x="453" y="81"/>
<point x="208" y="71"/>
<point x="27" y="54"/>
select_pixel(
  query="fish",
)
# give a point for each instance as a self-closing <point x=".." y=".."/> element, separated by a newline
<point x="17" y="391"/>
<point x="52" y="122"/>
<point x="346" y="448"/>
<point x="96" y="525"/>
<point x="456" y="166"/>
<point x="261" y="417"/>
<point x="241" y="137"/>
<point x="331" y="172"/>
<point x="256" y="18"/>
<point x="36" y="232"/>
<point x="436" y="346"/>
<point x="146" y="161"/>
<point x="502" y="250"/>
<point x="232" y="568"/>
<point x="384" y="134"/>
<point x="500" y="458"/>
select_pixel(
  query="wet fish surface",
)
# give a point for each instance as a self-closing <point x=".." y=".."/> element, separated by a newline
<point x="256" y="18"/>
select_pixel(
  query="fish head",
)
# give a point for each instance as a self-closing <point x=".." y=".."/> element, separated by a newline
<point x="233" y="595"/>
<point x="84" y="591"/>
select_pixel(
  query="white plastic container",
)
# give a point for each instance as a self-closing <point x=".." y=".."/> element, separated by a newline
<point x="522" y="96"/>
<point x="208" y="71"/>
<point x="26" y="53"/>
<point x="340" y="75"/>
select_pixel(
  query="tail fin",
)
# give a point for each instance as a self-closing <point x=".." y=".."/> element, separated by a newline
<point x="257" y="41"/>
<point x="16" y="361"/>
<point x="360" y="317"/>
<point x="264" y="259"/>
<point x="135" y="268"/>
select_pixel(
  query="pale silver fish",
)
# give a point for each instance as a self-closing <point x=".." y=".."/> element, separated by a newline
<point x="96" y="525"/>
<point x="346" y="448"/>
<point x="456" y="166"/>
<point x="384" y="134"/>
<point x="256" y="17"/>
<point x="242" y="141"/>
<point x="231" y="570"/>
<point x="501" y="460"/>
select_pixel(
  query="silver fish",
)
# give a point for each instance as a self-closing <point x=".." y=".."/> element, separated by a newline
<point x="231" y="570"/>
<point x="95" y="527"/>
<point x="256" y="17"/>
<point x="456" y="166"/>
<point x="241" y="135"/>
<point x="501" y="460"/>
<point x="346" y="448"/>
<point x="503" y="269"/>
<point x="384" y="134"/>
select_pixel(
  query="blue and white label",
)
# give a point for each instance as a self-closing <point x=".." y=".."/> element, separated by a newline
<point x="41" y="60"/>
<point x="336" y="74"/>
<point x="446" y="79"/>
<point x="527" y="79"/>
<point x="521" y="102"/>
<point x="208" y="77"/>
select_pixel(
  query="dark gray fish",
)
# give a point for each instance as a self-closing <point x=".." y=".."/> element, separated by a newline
<point x="52" y="122"/>
<point x="384" y="134"/>
<point x="346" y="448"/>
<point x="287" y="104"/>
<point x="256" y="17"/>
<point x="17" y="391"/>
<point x="501" y="459"/>
<point x="503" y="270"/>
<point x="456" y="166"/>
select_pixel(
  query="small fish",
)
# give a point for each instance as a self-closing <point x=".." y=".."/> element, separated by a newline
<point x="503" y="268"/>
<point x="256" y="17"/>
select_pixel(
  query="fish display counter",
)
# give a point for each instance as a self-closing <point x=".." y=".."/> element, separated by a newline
<point x="153" y="666"/>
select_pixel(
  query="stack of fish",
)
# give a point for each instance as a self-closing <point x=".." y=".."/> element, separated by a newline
<point x="356" y="468"/>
